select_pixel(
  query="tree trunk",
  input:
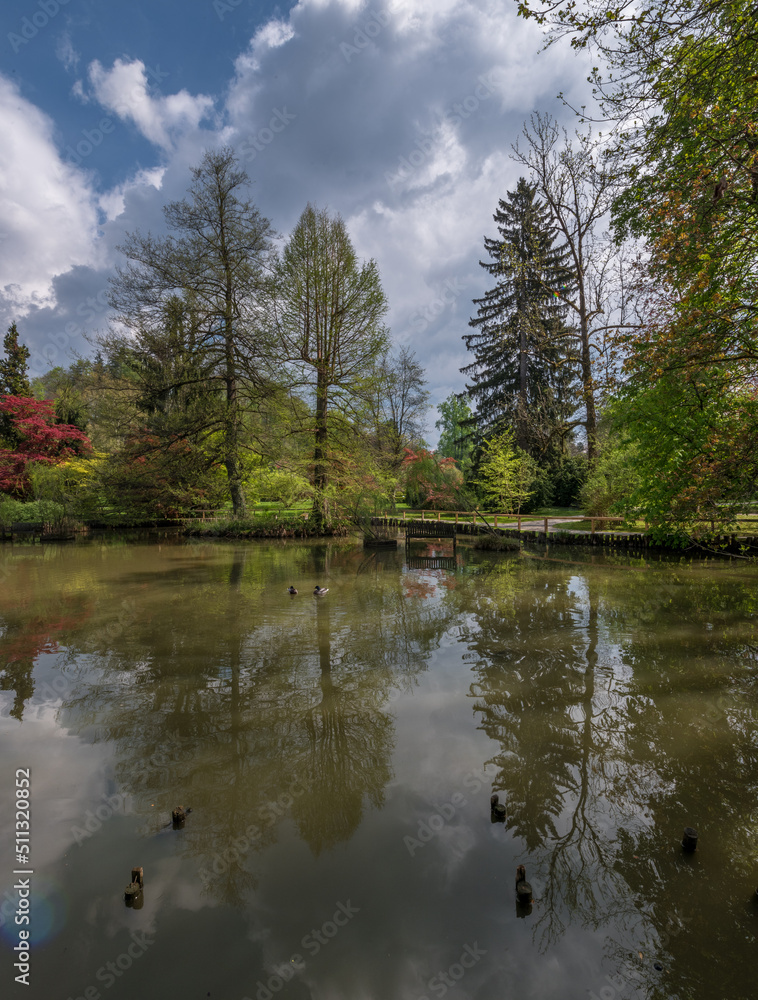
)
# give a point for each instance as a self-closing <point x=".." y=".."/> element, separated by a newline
<point x="522" y="414"/>
<point x="320" y="468"/>
<point x="588" y="390"/>
<point x="232" y="421"/>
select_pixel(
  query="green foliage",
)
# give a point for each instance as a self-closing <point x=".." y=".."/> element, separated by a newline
<point x="693" y="462"/>
<point x="329" y="322"/>
<point x="210" y="341"/>
<point x="456" y="431"/>
<point x="613" y="480"/>
<point x="14" y="377"/>
<point x="19" y="511"/>
<point x="523" y="374"/>
<point x="506" y="474"/>
<point x="434" y="483"/>
<point x="568" y="477"/>
<point x="285" y="487"/>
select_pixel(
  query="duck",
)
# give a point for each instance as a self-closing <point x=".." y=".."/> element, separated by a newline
<point x="291" y="590"/>
<point x="320" y="591"/>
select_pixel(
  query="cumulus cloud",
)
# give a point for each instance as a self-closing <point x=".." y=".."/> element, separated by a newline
<point x="48" y="212"/>
<point x="399" y="114"/>
<point x="125" y="90"/>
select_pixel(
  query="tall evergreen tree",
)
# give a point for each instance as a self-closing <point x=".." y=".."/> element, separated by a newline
<point x="523" y="373"/>
<point x="14" y="377"/>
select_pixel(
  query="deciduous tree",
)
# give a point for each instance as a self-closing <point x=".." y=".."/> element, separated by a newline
<point x="329" y="312"/>
<point x="218" y="259"/>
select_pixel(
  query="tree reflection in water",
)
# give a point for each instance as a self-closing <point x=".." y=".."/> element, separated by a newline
<point x="588" y="684"/>
<point x="253" y="716"/>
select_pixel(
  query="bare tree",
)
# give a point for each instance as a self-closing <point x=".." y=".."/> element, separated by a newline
<point x="399" y="404"/>
<point x="579" y="182"/>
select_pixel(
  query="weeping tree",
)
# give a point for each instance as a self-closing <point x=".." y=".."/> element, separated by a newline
<point x="329" y="310"/>
<point x="219" y="257"/>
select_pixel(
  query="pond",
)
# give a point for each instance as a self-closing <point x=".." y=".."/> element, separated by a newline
<point x="339" y="753"/>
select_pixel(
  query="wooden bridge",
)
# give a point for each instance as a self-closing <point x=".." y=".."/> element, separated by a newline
<point x="430" y="529"/>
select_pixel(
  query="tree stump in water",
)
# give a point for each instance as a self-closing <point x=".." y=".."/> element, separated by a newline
<point x="497" y="809"/>
<point x="523" y="889"/>
<point x="689" y="840"/>
<point x="178" y="816"/>
<point x="134" y="889"/>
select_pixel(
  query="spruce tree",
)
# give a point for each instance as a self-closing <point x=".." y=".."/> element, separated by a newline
<point x="14" y="377"/>
<point x="523" y="375"/>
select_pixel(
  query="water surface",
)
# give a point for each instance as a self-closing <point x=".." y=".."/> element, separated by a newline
<point x="339" y="755"/>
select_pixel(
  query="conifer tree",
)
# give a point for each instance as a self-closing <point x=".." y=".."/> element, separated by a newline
<point x="523" y="374"/>
<point x="14" y="378"/>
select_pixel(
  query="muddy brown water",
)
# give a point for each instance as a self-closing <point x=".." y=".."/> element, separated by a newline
<point x="339" y="754"/>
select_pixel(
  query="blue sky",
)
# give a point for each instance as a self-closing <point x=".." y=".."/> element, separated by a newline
<point x="398" y="114"/>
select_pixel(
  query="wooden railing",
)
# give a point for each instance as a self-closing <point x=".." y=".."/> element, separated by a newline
<point x="500" y="520"/>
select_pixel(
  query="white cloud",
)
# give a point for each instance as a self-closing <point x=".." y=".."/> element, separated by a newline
<point x="399" y="114"/>
<point x="113" y="202"/>
<point x="123" y="89"/>
<point x="66" y="52"/>
<point x="49" y="217"/>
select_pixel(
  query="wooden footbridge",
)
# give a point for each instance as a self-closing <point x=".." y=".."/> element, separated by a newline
<point x="430" y="529"/>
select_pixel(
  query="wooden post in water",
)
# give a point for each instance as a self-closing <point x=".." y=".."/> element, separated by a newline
<point x="497" y="809"/>
<point x="134" y="889"/>
<point x="689" y="840"/>
<point x="523" y="889"/>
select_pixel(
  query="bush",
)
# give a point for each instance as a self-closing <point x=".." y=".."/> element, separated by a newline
<point x="568" y="478"/>
<point x="609" y="485"/>
<point x="284" y="487"/>
<point x="18" y="511"/>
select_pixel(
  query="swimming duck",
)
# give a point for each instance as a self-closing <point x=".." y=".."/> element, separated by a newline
<point x="320" y="591"/>
<point x="291" y="590"/>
